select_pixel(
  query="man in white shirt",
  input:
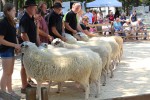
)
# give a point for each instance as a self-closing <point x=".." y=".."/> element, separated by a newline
<point x="89" y="15"/>
<point x="139" y="27"/>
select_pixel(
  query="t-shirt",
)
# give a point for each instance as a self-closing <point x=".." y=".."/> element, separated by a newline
<point x="133" y="18"/>
<point x="28" y="26"/>
<point x="55" y="20"/>
<point x="111" y="18"/>
<point x="9" y="33"/>
<point x="117" y="26"/>
<point x="89" y="15"/>
<point x="71" y="18"/>
<point x="84" y="27"/>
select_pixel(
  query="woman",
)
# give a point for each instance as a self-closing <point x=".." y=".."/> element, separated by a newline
<point x="123" y="18"/>
<point x="42" y="28"/>
<point x="100" y="17"/>
<point x="8" y="45"/>
<point x="85" y="21"/>
<point x="118" y="28"/>
<point x="94" y="18"/>
<point x="133" y="17"/>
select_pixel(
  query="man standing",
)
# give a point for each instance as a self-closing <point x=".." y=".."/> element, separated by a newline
<point x="71" y="23"/>
<point x="28" y="33"/>
<point x="55" y="24"/>
<point x="89" y="15"/>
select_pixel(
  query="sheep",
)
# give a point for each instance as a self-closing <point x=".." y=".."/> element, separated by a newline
<point x="70" y="65"/>
<point x="101" y="50"/>
<point x="70" y="39"/>
<point x="81" y="36"/>
<point x="119" y="40"/>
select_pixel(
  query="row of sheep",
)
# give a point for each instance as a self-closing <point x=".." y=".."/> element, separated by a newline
<point x="81" y="61"/>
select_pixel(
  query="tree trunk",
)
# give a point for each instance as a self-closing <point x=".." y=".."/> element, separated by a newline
<point x="15" y="2"/>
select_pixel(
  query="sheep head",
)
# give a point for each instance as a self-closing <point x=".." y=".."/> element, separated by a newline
<point x="57" y="42"/>
<point x="26" y="45"/>
<point x="45" y="45"/>
<point x="81" y="36"/>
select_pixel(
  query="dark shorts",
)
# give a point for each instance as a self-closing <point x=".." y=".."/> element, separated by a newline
<point x="9" y="53"/>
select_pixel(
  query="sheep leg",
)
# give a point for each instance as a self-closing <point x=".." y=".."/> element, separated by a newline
<point x="39" y="90"/>
<point x="104" y="74"/>
<point x="97" y="88"/>
<point x="87" y="90"/>
<point x="59" y="87"/>
<point x="111" y="71"/>
<point x="49" y="87"/>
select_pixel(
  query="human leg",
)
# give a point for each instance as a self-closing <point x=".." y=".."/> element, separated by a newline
<point x="6" y="79"/>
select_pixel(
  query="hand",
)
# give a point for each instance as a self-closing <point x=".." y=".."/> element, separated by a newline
<point x="17" y="47"/>
<point x="50" y="38"/>
<point x="74" y="32"/>
<point x="63" y="39"/>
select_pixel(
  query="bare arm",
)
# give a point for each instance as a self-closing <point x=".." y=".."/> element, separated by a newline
<point x="56" y="32"/>
<point x="67" y="26"/>
<point x="7" y="43"/>
<point x="79" y="28"/>
<point x="89" y="34"/>
<point x="38" y="40"/>
<point x="24" y="37"/>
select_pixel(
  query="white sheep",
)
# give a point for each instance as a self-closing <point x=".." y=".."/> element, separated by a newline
<point x="119" y="40"/>
<point x="102" y="50"/>
<point x="70" y="39"/>
<point x="81" y="36"/>
<point x="75" y="65"/>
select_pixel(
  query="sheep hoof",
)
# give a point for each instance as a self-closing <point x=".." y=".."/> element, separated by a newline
<point x="58" y="92"/>
<point x="97" y="96"/>
<point x="103" y="84"/>
<point x="111" y="76"/>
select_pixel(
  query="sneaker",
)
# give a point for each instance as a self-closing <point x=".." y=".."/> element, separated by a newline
<point x="23" y="90"/>
<point x="31" y="82"/>
<point x="14" y="94"/>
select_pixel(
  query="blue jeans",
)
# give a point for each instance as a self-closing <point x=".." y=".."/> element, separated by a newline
<point x="9" y="53"/>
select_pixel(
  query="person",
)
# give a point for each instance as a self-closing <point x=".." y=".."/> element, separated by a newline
<point x="8" y="41"/>
<point x="133" y="17"/>
<point x="42" y="25"/>
<point x="80" y="15"/>
<point x="55" y="22"/>
<point x="127" y="28"/>
<point x="100" y="17"/>
<point x="70" y="20"/>
<point x="20" y="13"/>
<point x="85" y="21"/>
<point x="43" y="7"/>
<point x="118" y="27"/>
<point x="28" y="31"/>
<point x="94" y="18"/>
<point x="117" y="13"/>
<point x="123" y="18"/>
<point x="89" y="15"/>
<point x="139" y="27"/>
<point x="110" y="17"/>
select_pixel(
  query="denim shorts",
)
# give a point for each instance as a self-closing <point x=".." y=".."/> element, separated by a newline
<point x="9" y="53"/>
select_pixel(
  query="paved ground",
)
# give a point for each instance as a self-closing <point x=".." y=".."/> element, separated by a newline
<point x="131" y="77"/>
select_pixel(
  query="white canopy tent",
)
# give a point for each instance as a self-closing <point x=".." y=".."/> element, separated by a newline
<point x="104" y="3"/>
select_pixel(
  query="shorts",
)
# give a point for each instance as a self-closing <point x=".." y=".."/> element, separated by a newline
<point x="9" y="53"/>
